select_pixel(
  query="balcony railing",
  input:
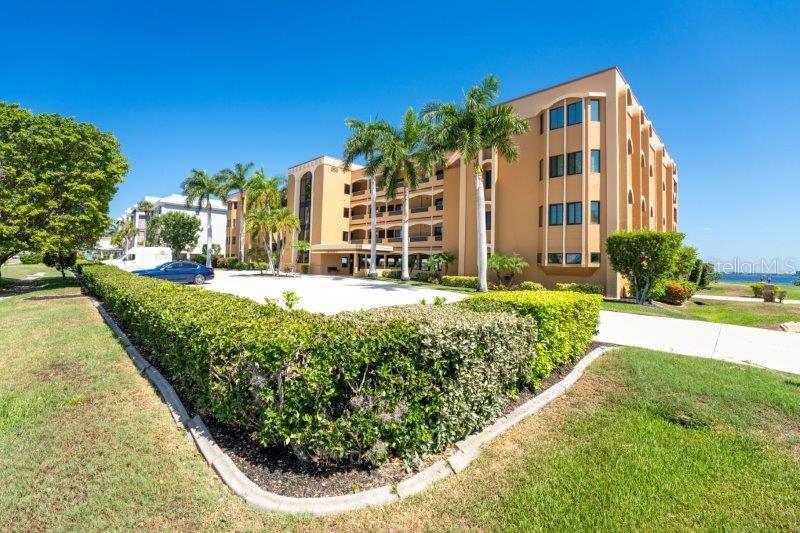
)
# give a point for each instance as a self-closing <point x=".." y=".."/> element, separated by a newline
<point x="357" y="217"/>
<point x="437" y="237"/>
<point x="420" y="209"/>
<point x="439" y="177"/>
<point x="358" y="241"/>
<point x="395" y="239"/>
<point x="419" y="238"/>
<point x="359" y="193"/>
<point x="393" y="212"/>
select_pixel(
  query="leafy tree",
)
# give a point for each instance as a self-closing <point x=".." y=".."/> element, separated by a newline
<point x="237" y="179"/>
<point x="684" y="262"/>
<point x="479" y="123"/>
<point x="283" y="222"/>
<point x="644" y="258"/>
<point x="216" y="250"/>
<point x="264" y="196"/>
<point x="703" y="274"/>
<point x="124" y="233"/>
<point x="57" y="177"/>
<point x="405" y="157"/>
<point x="510" y="265"/>
<point x="440" y="262"/>
<point x="364" y="141"/>
<point x="177" y="230"/>
<point x="61" y="260"/>
<point x="259" y="225"/>
<point x="199" y="189"/>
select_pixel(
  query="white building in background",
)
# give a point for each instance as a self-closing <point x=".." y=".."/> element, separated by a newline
<point x="177" y="202"/>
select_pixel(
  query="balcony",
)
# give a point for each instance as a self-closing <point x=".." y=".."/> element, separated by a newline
<point x="359" y="241"/>
<point x="423" y="209"/>
<point x="418" y="238"/>
<point x="357" y="217"/>
<point x="393" y="212"/>
<point x="395" y="239"/>
<point x="437" y="237"/>
<point x="359" y="193"/>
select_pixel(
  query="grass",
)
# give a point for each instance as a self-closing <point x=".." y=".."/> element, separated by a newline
<point x="17" y="272"/>
<point x="425" y="284"/>
<point x="759" y="315"/>
<point x="724" y="288"/>
<point x="643" y="441"/>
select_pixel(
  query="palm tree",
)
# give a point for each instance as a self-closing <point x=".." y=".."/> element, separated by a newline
<point x="470" y="128"/>
<point x="199" y="188"/>
<point x="265" y="192"/>
<point x="283" y="222"/>
<point x="123" y="234"/>
<point x="237" y="179"/>
<point x="440" y="262"/>
<point x="365" y="141"/>
<point x="259" y="225"/>
<point x="406" y="156"/>
<point x="146" y="207"/>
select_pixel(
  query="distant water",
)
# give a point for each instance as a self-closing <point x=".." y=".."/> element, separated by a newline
<point x="778" y="279"/>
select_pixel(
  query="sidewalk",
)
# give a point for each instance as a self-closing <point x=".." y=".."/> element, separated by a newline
<point x="746" y="299"/>
<point x="777" y="350"/>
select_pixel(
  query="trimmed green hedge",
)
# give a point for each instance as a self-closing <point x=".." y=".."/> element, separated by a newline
<point x="566" y="322"/>
<point x="354" y="387"/>
<point x="586" y="288"/>
<point x="466" y="282"/>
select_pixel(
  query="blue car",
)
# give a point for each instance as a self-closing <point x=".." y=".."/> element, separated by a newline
<point x="179" y="272"/>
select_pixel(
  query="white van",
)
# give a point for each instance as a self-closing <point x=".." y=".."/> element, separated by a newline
<point x="142" y="257"/>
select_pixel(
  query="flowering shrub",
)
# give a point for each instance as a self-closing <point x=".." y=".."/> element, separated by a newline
<point x="677" y="291"/>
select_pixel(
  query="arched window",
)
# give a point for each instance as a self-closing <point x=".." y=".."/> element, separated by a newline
<point x="642" y="159"/>
<point x="630" y="146"/>
<point x="651" y="211"/>
<point x="644" y="205"/>
<point x="651" y="171"/>
<point x="663" y="185"/>
<point x="630" y="196"/>
<point x="628" y="97"/>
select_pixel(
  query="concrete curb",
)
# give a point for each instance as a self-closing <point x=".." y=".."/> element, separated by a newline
<point x="466" y="450"/>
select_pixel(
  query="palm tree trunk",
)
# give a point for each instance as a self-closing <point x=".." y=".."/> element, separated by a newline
<point x="281" y="241"/>
<point x="267" y="249"/>
<point x="480" y="209"/>
<point x="404" y="275"/>
<point x="241" y="225"/>
<point x="270" y="259"/>
<point x="208" y="233"/>
<point x="373" y="241"/>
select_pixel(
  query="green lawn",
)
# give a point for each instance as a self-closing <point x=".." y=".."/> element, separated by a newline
<point x="20" y="271"/>
<point x="754" y="314"/>
<point x="643" y="441"/>
<point x="415" y="283"/>
<point x="743" y="289"/>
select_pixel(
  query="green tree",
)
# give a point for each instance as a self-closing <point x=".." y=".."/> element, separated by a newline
<point x="685" y="262"/>
<point x="644" y="258"/>
<point x="508" y="265"/>
<point x="478" y="124"/>
<point x="177" y="230"/>
<point x="123" y="234"/>
<point x="406" y="156"/>
<point x="199" y="189"/>
<point x="440" y="263"/>
<point x="61" y="260"/>
<point x="57" y="177"/>
<point x="283" y="223"/>
<point x="364" y="141"/>
<point x="237" y="179"/>
<point x="259" y="225"/>
<point x="265" y="196"/>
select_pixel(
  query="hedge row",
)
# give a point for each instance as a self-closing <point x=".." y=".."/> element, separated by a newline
<point x="566" y="322"/>
<point x="586" y="288"/>
<point x="466" y="282"/>
<point x="354" y="387"/>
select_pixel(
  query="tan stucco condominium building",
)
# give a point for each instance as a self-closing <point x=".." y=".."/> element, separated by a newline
<point x="591" y="164"/>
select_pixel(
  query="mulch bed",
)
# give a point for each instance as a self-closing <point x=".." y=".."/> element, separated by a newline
<point x="278" y="470"/>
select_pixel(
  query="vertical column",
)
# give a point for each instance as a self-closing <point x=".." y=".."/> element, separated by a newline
<point x="564" y="197"/>
<point x="546" y="178"/>
<point x="462" y="215"/>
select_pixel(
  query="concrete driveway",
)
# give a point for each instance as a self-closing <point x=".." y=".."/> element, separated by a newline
<point x="324" y="294"/>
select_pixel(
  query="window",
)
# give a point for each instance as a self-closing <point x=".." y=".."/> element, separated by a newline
<point x="573" y="259"/>
<point x="539" y="258"/>
<point x="574" y="213"/>
<point x="651" y="171"/>
<point x="556" y="166"/>
<point x="437" y="231"/>
<point x="594" y="110"/>
<point x="345" y="236"/>
<point x="556" y="118"/>
<point x="489" y="220"/>
<point x="630" y="147"/>
<point x="541" y="169"/>
<point x="440" y="175"/>
<point x="487" y="179"/>
<point x="595" y="160"/>
<point x="541" y="123"/>
<point x="574" y="163"/>
<point x="233" y="239"/>
<point x="556" y="215"/>
<point x="554" y="258"/>
<point x="594" y="212"/>
<point x="346" y="212"/>
<point x="574" y="113"/>
<point x="541" y="218"/>
<point x="347" y="188"/>
<point x="594" y="257"/>
<point x="345" y="261"/>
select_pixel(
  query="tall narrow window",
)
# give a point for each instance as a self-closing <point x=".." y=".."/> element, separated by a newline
<point x="595" y="212"/>
<point x="541" y="217"/>
<point x="574" y="163"/>
<point x="556" y="215"/>
<point x="541" y="169"/>
<point x="488" y="220"/>
<point x="595" y="155"/>
<point x="594" y="110"/>
<point x="347" y="188"/>
<point x="574" y="113"/>
<point x="556" y="118"/>
<point x="541" y="123"/>
<point x="346" y="212"/>
<point x="556" y="166"/>
<point x="574" y="213"/>
<point x="487" y="179"/>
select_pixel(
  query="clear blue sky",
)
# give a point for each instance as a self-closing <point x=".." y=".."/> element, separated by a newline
<point x="201" y="84"/>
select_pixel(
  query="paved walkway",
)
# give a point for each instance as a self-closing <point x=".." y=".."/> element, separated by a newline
<point x="738" y="299"/>
<point x="777" y="350"/>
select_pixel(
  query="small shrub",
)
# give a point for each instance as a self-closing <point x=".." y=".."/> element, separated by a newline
<point x="391" y="274"/>
<point x="780" y="294"/>
<point x="566" y="323"/>
<point x="531" y="286"/>
<point x="290" y="299"/>
<point x="466" y="282"/>
<point x="60" y="260"/>
<point x="586" y="288"/>
<point x="796" y="283"/>
<point x="439" y="300"/>
<point x="677" y="291"/>
<point x="426" y="277"/>
<point x="30" y="258"/>
<point x="758" y="289"/>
